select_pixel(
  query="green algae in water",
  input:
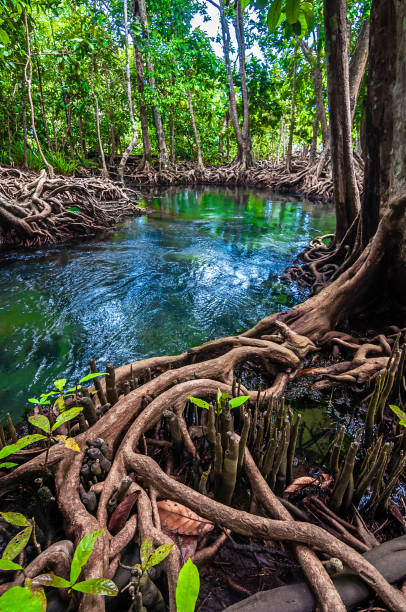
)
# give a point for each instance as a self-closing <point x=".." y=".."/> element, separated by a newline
<point x="207" y="263"/>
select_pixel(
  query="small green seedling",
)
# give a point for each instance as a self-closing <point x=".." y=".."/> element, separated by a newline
<point x="19" y="542"/>
<point x="63" y="393"/>
<point x="42" y="422"/>
<point x="10" y="449"/>
<point x="400" y="414"/>
<point x="95" y="586"/>
<point x="32" y="597"/>
<point x="187" y="588"/>
<point x="223" y="400"/>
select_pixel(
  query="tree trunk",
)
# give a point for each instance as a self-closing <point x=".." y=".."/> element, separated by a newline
<point x="346" y="194"/>
<point x="28" y="79"/>
<point x="133" y="140"/>
<point x="313" y="148"/>
<point x="41" y="100"/>
<point x="358" y="64"/>
<point x="172" y="135"/>
<point x="293" y="109"/>
<point x="82" y="139"/>
<point x="163" y="151"/>
<point x="69" y="126"/>
<point x="200" y="165"/>
<point x="110" y="110"/>
<point x="24" y="124"/>
<point x="317" y="78"/>
<point x="142" y="107"/>
<point x="278" y="155"/>
<point x="225" y="33"/>
<point x="246" y="136"/>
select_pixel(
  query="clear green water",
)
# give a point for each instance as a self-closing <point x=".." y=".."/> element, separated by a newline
<point x="206" y="263"/>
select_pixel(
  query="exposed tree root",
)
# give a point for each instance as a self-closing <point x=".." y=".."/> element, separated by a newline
<point x="36" y="210"/>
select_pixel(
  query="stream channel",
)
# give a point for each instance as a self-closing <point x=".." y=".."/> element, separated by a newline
<point x="206" y="263"/>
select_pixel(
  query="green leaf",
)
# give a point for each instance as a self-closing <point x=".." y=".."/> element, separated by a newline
<point x="60" y="404"/>
<point x="60" y="383"/>
<point x="66" y="416"/>
<point x="41" y="421"/>
<point x="8" y="450"/>
<point x="403" y="422"/>
<point x="17" y="544"/>
<point x="238" y="401"/>
<point x="7" y="465"/>
<point x="4" y="37"/>
<point x="273" y="14"/>
<point x="75" y="209"/>
<point x="145" y="551"/>
<point x="159" y="555"/>
<point x="15" y="518"/>
<point x="73" y="389"/>
<point x="52" y="580"/>
<point x="292" y="10"/>
<point x="6" y="564"/>
<point x="38" y="592"/>
<point x="187" y="589"/>
<point x="97" y="586"/>
<point x="27" y="440"/>
<point x="307" y="9"/>
<point x="94" y="375"/>
<point x="19" y="598"/>
<point x="32" y="400"/>
<point x="198" y="402"/>
<point x="82" y="553"/>
<point x="399" y="413"/>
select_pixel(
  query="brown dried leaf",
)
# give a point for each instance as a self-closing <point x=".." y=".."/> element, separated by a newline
<point x="306" y="481"/>
<point x="180" y="520"/>
<point x="120" y="515"/>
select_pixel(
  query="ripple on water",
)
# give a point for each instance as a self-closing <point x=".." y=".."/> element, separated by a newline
<point x="206" y="264"/>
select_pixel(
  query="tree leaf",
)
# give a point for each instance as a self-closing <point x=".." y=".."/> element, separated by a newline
<point x="187" y="588"/>
<point x="7" y="465"/>
<point x="32" y="400"/>
<point x="82" y="553"/>
<point x="181" y="520"/>
<point x="60" y="383"/>
<point x="72" y="445"/>
<point x="15" y="518"/>
<point x="274" y="13"/>
<point x="6" y="564"/>
<point x="93" y="375"/>
<point x="17" y="544"/>
<point x="145" y="551"/>
<point x="292" y="11"/>
<point x="97" y="586"/>
<point x="4" y="37"/>
<point x="238" y="401"/>
<point x="52" y="580"/>
<point x="60" y="438"/>
<point x="399" y="413"/>
<point x="60" y="404"/>
<point x="68" y="415"/>
<point x="19" y="598"/>
<point x="38" y="592"/>
<point x="198" y="402"/>
<point x="159" y="555"/>
<point x="41" y="421"/>
<point x="8" y="450"/>
<point x="27" y="440"/>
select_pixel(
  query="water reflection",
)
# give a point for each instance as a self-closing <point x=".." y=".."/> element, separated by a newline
<point x="206" y="263"/>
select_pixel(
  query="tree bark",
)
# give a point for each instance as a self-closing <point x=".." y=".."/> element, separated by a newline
<point x="133" y="140"/>
<point x="246" y="136"/>
<point x="163" y="150"/>
<point x="28" y="79"/>
<point x="346" y="194"/>
<point x="292" y="113"/>
<point x="200" y="165"/>
<point x="385" y="165"/>
<point x="358" y="64"/>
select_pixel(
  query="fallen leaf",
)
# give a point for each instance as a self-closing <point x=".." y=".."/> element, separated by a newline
<point x="178" y="519"/>
<point x="120" y="515"/>
<point x="321" y="481"/>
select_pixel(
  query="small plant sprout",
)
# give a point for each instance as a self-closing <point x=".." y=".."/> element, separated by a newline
<point x="10" y="449"/>
<point x="42" y="422"/>
<point x="63" y="393"/>
<point x="19" y="542"/>
<point x="222" y="401"/>
<point x="400" y="414"/>
<point x="95" y="586"/>
<point x="32" y="597"/>
<point x="187" y="588"/>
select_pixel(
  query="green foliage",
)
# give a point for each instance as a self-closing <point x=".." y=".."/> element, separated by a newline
<point x="187" y="588"/>
<point x="221" y="400"/>
<point x="20" y="598"/>
<point x="400" y="414"/>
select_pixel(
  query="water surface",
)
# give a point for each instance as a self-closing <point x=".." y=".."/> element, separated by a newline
<point x="206" y="263"/>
